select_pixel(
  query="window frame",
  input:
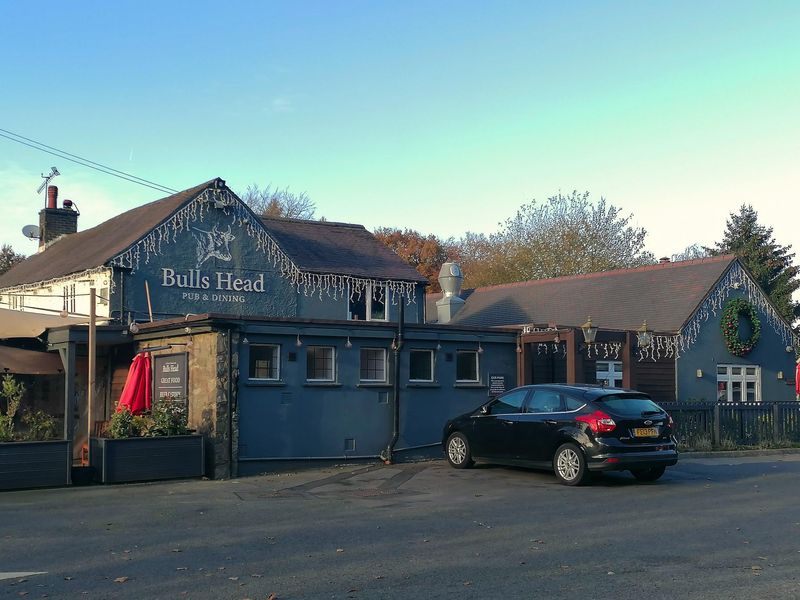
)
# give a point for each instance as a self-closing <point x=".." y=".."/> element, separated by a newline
<point x="384" y="362"/>
<point x="368" y="293"/>
<point x="332" y="364"/>
<point x="743" y="378"/>
<point x="432" y="365"/>
<point x="276" y="355"/>
<point x="611" y="373"/>
<point x="476" y="354"/>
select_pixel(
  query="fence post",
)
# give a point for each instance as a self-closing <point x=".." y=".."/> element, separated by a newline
<point x="715" y="427"/>
<point x="776" y="422"/>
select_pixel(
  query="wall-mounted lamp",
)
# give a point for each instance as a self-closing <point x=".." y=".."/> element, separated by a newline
<point x="780" y="374"/>
<point x="480" y="348"/>
<point x="699" y="373"/>
<point x="438" y="346"/>
<point x="644" y="336"/>
<point x="589" y="331"/>
<point x="394" y="344"/>
<point x="298" y="342"/>
<point x="348" y="344"/>
<point x="134" y="328"/>
<point x="519" y="348"/>
<point x="736" y="285"/>
<point x="557" y="339"/>
<point x="245" y="341"/>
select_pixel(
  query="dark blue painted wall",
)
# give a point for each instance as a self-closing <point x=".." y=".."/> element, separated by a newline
<point x="709" y="351"/>
<point x="296" y="419"/>
<point x="183" y="279"/>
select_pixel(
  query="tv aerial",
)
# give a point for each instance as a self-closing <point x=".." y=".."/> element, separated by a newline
<point x="53" y="173"/>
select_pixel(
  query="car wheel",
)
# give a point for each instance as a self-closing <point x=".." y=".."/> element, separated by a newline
<point x="651" y="474"/>
<point x="570" y="465"/>
<point x="458" y="454"/>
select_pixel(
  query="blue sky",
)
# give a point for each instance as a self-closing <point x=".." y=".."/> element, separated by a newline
<point x="439" y="116"/>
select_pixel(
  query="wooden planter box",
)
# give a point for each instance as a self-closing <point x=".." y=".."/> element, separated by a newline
<point x="147" y="459"/>
<point x="35" y="464"/>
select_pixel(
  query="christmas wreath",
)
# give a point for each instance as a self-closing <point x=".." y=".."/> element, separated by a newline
<point x="739" y="307"/>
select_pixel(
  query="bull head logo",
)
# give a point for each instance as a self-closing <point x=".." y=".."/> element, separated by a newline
<point x="213" y="244"/>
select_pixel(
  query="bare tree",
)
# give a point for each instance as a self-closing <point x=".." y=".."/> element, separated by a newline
<point x="279" y="202"/>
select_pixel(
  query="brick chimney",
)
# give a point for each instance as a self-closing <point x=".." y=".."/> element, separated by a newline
<point x="55" y="222"/>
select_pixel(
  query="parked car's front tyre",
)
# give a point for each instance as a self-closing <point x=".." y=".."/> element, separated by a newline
<point x="458" y="453"/>
<point x="569" y="465"/>
<point x="651" y="474"/>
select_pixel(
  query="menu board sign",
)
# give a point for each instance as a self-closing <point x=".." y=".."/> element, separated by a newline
<point x="169" y="377"/>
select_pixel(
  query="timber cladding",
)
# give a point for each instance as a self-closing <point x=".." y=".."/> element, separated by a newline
<point x="656" y="378"/>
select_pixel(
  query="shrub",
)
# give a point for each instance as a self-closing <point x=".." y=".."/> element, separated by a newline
<point x="168" y="418"/>
<point x="40" y="426"/>
<point x="125" y="424"/>
<point x="13" y="391"/>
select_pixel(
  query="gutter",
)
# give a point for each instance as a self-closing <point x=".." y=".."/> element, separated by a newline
<point x="386" y="455"/>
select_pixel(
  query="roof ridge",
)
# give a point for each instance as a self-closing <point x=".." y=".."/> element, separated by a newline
<point x="596" y="274"/>
<point x="312" y="222"/>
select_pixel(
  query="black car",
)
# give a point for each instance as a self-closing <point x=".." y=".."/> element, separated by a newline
<point x="572" y="429"/>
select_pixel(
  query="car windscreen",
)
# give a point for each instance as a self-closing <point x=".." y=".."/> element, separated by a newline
<point x="629" y="405"/>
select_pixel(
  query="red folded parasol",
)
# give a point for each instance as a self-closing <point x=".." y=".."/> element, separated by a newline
<point x="137" y="394"/>
<point x="797" y="378"/>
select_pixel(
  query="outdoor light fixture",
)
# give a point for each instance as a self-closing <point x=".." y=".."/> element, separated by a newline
<point x="589" y="331"/>
<point x="699" y="373"/>
<point x="245" y="340"/>
<point x="736" y="285"/>
<point x="480" y="349"/>
<point x="644" y="336"/>
<point x="298" y="343"/>
<point x="394" y="344"/>
<point x="438" y="346"/>
<point x="134" y="328"/>
<point x="780" y="374"/>
<point x="348" y="344"/>
<point x="557" y="339"/>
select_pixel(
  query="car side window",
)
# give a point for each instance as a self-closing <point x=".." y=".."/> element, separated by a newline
<point x="545" y="401"/>
<point x="509" y="403"/>
<point x="573" y="403"/>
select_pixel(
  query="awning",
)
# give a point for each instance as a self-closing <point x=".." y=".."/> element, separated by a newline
<point x="19" y="324"/>
<point x="29" y="362"/>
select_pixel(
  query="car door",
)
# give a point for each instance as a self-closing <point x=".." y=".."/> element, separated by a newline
<point x="539" y="425"/>
<point x="494" y="429"/>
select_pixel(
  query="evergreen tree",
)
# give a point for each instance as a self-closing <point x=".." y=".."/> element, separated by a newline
<point x="769" y="262"/>
<point x="8" y="258"/>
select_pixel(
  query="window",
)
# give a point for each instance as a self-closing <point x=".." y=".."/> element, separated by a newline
<point x="265" y="361"/>
<point x="738" y="383"/>
<point x="609" y="372"/>
<point x="420" y="366"/>
<point x="509" y="403"/>
<point x="68" y="293"/>
<point x="545" y="401"/>
<point x="368" y="304"/>
<point x="320" y="363"/>
<point x="467" y="365"/>
<point x="373" y="364"/>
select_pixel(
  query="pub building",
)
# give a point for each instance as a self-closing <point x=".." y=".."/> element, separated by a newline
<point x="310" y="340"/>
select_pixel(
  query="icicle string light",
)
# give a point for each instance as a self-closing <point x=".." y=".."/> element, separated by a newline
<point x="309" y="283"/>
<point x="73" y="278"/>
<point x="673" y="346"/>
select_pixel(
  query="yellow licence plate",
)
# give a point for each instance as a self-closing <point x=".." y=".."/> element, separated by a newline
<point x="645" y="432"/>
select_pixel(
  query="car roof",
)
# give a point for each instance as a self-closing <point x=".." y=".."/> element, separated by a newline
<point x="590" y="391"/>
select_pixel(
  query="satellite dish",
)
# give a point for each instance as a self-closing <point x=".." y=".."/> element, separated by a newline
<point x="31" y="232"/>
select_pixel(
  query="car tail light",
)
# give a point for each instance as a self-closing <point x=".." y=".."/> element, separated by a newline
<point x="598" y="421"/>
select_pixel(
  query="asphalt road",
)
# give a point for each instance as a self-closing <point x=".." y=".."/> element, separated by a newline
<point x="710" y="528"/>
